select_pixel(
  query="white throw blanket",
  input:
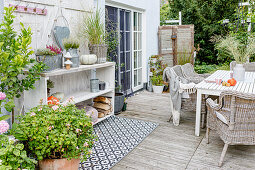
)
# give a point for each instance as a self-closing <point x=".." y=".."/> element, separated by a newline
<point x="177" y="86"/>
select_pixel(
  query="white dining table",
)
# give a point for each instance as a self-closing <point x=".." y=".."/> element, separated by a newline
<point x="207" y="87"/>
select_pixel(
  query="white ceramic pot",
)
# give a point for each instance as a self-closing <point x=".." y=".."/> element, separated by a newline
<point x="88" y="59"/>
<point x="239" y="72"/>
<point x="158" y="89"/>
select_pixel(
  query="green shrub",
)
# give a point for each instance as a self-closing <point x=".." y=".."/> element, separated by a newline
<point x="13" y="156"/>
<point x="157" y="80"/>
<point x="56" y="131"/>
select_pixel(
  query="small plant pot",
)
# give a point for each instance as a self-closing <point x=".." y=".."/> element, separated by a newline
<point x="53" y="62"/>
<point x="158" y="89"/>
<point x="118" y="102"/>
<point x="59" y="164"/>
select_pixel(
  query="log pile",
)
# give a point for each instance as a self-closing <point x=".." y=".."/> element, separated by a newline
<point x="103" y="106"/>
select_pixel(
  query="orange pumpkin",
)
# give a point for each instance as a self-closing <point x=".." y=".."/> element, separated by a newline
<point x="232" y="82"/>
<point x="53" y="100"/>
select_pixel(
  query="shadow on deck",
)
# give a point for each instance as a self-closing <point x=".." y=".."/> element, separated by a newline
<point x="171" y="147"/>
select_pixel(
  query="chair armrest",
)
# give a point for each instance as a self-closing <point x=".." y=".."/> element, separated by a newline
<point x="213" y="105"/>
<point x="205" y="75"/>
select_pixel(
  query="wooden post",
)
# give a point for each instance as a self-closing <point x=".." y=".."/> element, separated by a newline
<point x="175" y="51"/>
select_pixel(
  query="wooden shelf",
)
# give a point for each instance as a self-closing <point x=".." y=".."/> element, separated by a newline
<point x="86" y="95"/>
<point x="78" y="69"/>
<point x="103" y="118"/>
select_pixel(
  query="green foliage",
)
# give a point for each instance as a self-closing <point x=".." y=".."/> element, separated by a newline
<point x="205" y="68"/>
<point x="54" y="132"/>
<point x="14" y="59"/>
<point x="71" y="43"/>
<point x="234" y="46"/>
<point x="184" y="57"/>
<point x="157" y="80"/>
<point x="157" y="68"/>
<point x="92" y="28"/>
<point x="5" y="117"/>
<point x="45" y="52"/>
<point x="50" y="84"/>
<point x="164" y="13"/>
<point x="13" y="156"/>
<point x="204" y="14"/>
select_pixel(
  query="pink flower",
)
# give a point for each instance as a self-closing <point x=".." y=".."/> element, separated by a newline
<point x="85" y="144"/>
<point x="78" y="130"/>
<point x="2" y="96"/>
<point x="55" y="107"/>
<point x="90" y="151"/>
<point x="51" y="127"/>
<point x="60" y="110"/>
<point x="32" y="114"/>
<point x="47" y="137"/>
<point x="40" y="109"/>
<point x="4" y="126"/>
<point x="71" y="99"/>
<point x="68" y="125"/>
<point x="77" y="147"/>
<point x="65" y="104"/>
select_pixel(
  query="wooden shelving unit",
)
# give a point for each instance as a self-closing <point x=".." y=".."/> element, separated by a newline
<point x="74" y="82"/>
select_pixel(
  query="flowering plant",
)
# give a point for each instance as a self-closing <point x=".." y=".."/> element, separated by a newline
<point x="56" y="131"/>
<point x="4" y="126"/>
<point x="13" y="155"/>
<point x="50" y="50"/>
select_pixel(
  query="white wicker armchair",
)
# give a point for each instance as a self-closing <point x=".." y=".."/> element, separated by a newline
<point x="233" y="119"/>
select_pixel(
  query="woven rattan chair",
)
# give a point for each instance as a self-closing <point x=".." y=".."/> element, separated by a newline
<point x="233" y="119"/>
<point x="249" y="67"/>
<point x="189" y="104"/>
<point x="191" y="75"/>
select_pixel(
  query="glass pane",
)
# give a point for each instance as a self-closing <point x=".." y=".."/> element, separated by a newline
<point x="135" y="21"/>
<point x="122" y="39"/>
<point x="127" y="41"/>
<point x="128" y="61"/>
<point x="135" y="78"/>
<point x="139" y="76"/>
<point x="135" y="40"/>
<point x="135" y="59"/>
<point x="122" y="81"/>
<point x="121" y="20"/>
<point x="128" y="75"/>
<point x="140" y="57"/>
<point x="127" y="21"/>
<point x="140" y="22"/>
<point x="122" y="62"/>
<point x="139" y="41"/>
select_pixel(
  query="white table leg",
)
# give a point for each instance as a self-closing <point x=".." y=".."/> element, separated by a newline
<point x="198" y="112"/>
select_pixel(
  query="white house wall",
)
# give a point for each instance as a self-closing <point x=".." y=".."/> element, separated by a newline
<point x="151" y="21"/>
<point x="41" y="25"/>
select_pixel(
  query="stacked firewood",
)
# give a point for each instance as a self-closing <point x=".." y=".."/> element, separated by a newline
<point x="103" y="106"/>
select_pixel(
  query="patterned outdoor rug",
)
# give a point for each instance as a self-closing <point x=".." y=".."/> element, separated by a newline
<point x="116" y="138"/>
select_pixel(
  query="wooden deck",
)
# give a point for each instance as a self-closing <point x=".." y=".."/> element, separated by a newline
<point x="170" y="147"/>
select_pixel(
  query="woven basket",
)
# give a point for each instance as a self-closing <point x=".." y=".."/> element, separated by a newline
<point x="100" y="50"/>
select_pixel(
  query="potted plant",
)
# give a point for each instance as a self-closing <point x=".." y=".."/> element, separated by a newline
<point x="239" y="49"/>
<point x="157" y="83"/>
<point x="71" y="45"/>
<point x="51" y="56"/>
<point x="59" y="136"/>
<point x="93" y="29"/>
<point x="13" y="155"/>
<point x="18" y="70"/>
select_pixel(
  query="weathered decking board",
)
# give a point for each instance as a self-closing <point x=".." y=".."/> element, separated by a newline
<point x="170" y="147"/>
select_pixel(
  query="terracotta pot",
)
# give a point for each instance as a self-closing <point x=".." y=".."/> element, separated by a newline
<point x="59" y="164"/>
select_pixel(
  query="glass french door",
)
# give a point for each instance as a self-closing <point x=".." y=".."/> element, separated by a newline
<point x="123" y="58"/>
<point x="137" y="50"/>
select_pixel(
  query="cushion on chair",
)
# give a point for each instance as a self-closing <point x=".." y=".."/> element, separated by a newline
<point x="223" y="116"/>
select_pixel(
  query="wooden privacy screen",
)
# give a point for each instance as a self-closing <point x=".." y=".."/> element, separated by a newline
<point x="176" y="43"/>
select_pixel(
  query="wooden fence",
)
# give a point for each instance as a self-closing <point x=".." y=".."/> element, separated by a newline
<point x="176" y="44"/>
